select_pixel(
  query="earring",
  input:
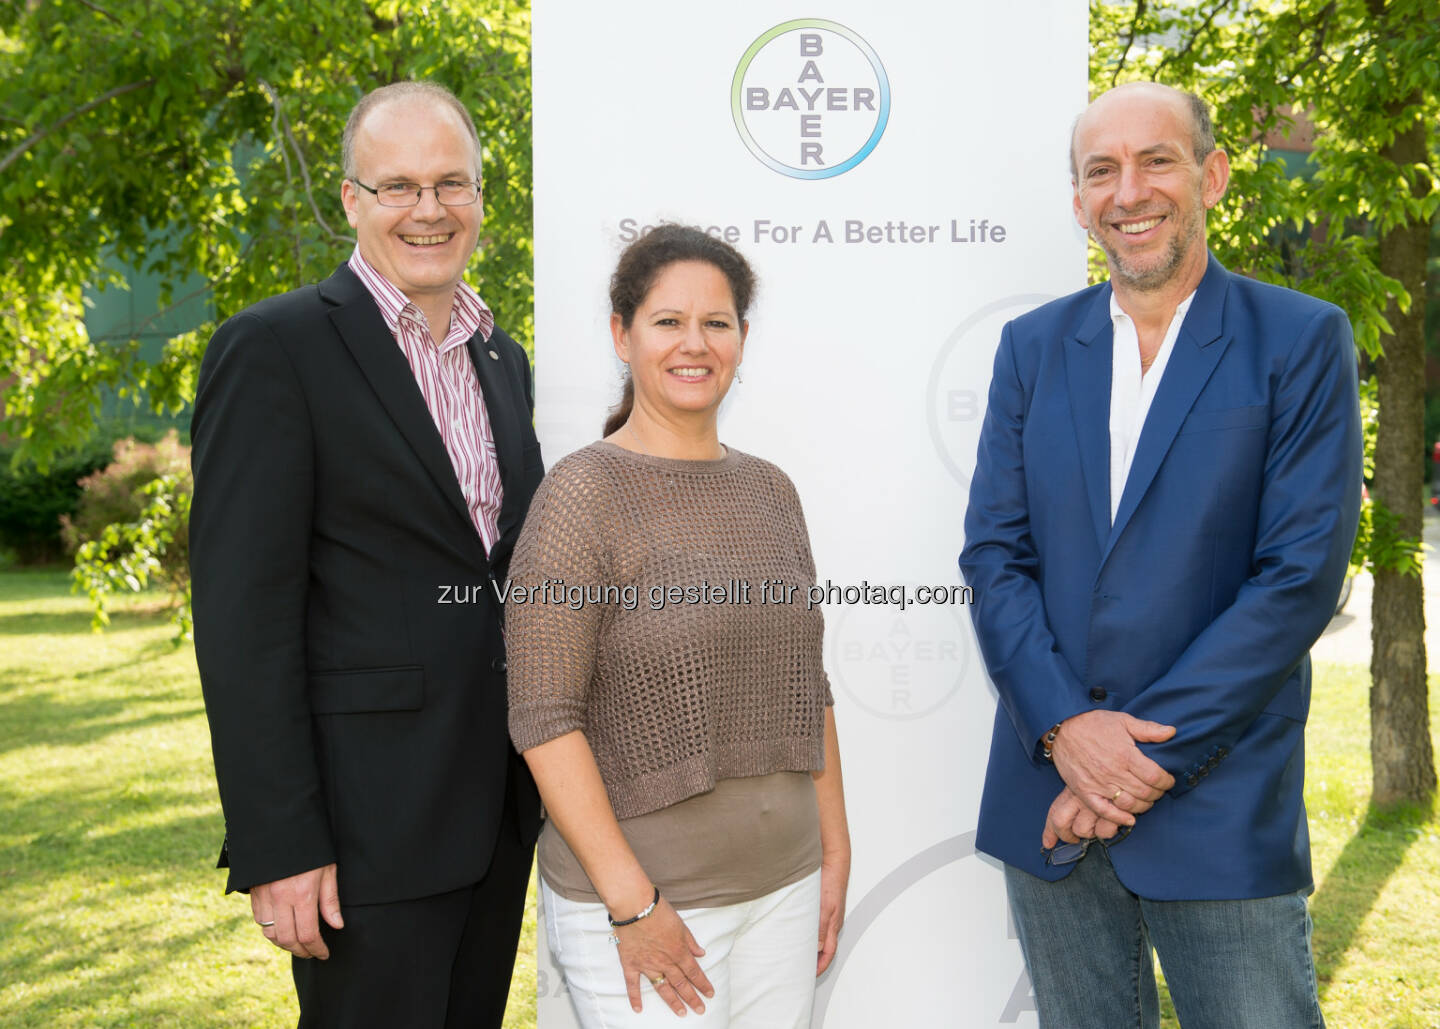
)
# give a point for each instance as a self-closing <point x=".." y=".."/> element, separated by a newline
<point x="738" y="376"/>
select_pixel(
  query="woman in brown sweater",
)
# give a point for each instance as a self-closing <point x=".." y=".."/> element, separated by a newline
<point x="666" y="684"/>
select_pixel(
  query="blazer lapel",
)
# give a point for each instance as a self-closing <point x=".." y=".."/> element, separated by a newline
<point x="500" y="397"/>
<point x="1087" y="368"/>
<point x="363" y="328"/>
<point x="1197" y="351"/>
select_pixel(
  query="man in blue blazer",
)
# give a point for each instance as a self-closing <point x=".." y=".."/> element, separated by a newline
<point x="1164" y="503"/>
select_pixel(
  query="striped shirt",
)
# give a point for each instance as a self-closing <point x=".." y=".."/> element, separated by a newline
<point x="447" y="380"/>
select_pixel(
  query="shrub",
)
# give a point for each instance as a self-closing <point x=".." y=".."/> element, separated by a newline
<point x="132" y="527"/>
<point x="33" y="500"/>
<point x="114" y="494"/>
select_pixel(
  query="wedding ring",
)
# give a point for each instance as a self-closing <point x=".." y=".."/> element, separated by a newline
<point x="1116" y="795"/>
<point x="658" y="982"/>
<point x="264" y="925"/>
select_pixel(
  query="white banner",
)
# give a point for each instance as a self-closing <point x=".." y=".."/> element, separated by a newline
<point x="897" y="175"/>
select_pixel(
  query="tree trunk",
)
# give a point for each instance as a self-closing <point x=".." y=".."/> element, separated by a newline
<point x="1400" y="751"/>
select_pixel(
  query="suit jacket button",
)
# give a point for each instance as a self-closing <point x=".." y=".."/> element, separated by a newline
<point x="1192" y="780"/>
<point x="498" y="664"/>
<point x="1204" y="771"/>
<point x="1221" y="752"/>
<point x="1097" y="693"/>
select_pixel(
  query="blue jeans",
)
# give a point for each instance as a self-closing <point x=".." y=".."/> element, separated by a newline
<point x="1230" y="964"/>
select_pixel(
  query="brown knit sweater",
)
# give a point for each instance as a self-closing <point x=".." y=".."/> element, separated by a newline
<point x="673" y="695"/>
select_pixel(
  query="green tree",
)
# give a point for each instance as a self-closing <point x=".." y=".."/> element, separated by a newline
<point x="1354" y="229"/>
<point x="202" y="137"/>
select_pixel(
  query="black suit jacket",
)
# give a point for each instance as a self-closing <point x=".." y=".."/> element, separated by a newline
<point x="347" y="633"/>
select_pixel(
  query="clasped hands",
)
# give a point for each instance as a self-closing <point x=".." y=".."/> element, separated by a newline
<point x="1108" y="781"/>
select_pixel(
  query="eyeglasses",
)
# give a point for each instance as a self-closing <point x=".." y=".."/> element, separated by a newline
<point x="1069" y="853"/>
<point x="450" y="193"/>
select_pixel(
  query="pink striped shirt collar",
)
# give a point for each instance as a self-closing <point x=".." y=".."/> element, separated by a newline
<point x="468" y="316"/>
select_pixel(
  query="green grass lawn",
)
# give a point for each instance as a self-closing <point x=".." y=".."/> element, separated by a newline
<point x="1376" y="906"/>
<point x="111" y="913"/>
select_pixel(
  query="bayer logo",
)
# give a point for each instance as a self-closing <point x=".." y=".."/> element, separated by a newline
<point x="810" y="98"/>
<point x="960" y="377"/>
<point x="900" y="665"/>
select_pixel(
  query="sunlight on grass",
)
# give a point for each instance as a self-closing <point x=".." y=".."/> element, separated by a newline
<point x="1375" y="907"/>
<point x="111" y="910"/>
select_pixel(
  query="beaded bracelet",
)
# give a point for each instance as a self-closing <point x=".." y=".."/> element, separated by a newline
<point x="1047" y="745"/>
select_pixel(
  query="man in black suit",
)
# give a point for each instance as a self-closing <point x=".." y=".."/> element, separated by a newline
<point x="363" y="458"/>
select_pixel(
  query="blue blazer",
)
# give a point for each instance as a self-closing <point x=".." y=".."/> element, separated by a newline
<point x="1198" y="607"/>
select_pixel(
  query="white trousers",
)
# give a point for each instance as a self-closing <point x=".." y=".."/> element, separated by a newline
<point x="759" y="956"/>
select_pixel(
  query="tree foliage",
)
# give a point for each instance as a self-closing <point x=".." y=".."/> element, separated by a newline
<point x="1258" y="63"/>
<point x="200" y="137"/>
<point x="1353" y="228"/>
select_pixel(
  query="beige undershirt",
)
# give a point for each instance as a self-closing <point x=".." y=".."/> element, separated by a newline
<point x="744" y="839"/>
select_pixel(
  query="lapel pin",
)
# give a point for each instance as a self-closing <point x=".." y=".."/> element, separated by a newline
<point x="494" y="356"/>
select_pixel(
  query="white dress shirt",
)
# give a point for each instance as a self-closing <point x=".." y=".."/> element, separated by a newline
<point x="1131" y="391"/>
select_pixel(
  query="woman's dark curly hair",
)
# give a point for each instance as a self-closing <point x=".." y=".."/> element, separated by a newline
<point x="640" y="265"/>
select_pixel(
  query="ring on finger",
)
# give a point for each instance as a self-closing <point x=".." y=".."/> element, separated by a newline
<point x="1116" y="795"/>
<point x="265" y="925"/>
<point x="658" y="981"/>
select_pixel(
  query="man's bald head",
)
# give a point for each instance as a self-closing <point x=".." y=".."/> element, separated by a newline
<point x="1202" y="132"/>
<point x="424" y="92"/>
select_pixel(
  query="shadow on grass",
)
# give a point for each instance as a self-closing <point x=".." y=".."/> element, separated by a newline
<point x="143" y="652"/>
<point x="110" y="973"/>
<point x="95" y="946"/>
<point x="1355" y="881"/>
<point x="46" y="718"/>
<point x="144" y="615"/>
<point x="29" y="588"/>
<point x="78" y="834"/>
<point x="108" y="970"/>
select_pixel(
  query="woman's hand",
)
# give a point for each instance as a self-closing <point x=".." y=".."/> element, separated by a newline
<point x="660" y="947"/>
<point x="657" y="945"/>
<point x="834" y="879"/>
<point x="834" y="847"/>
